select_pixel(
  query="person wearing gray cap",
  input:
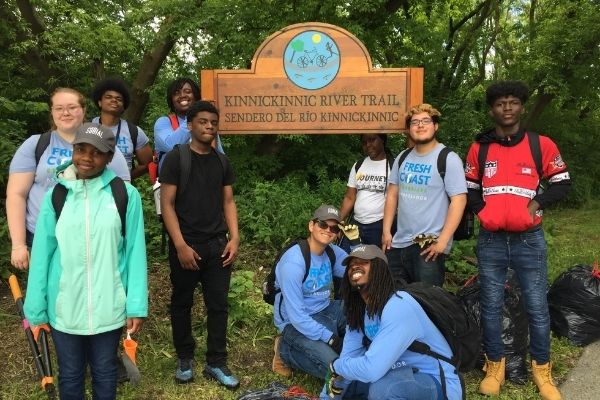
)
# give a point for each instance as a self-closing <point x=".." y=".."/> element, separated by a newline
<point x="88" y="276"/>
<point x="310" y="323"/>
<point x="383" y="322"/>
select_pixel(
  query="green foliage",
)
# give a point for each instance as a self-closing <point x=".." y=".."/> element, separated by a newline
<point x="245" y="306"/>
<point x="270" y="212"/>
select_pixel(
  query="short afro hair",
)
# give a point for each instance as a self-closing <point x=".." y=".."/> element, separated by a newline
<point x="200" y="106"/>
<point x="114" y="84"/>
<point x="176" y="85"/>
<point x="506" y="88"/>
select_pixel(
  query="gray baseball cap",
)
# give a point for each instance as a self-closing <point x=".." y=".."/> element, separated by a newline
<point x="326" y="212"/>
<point x="366" y="252"/>
<point x="97" y="135"/>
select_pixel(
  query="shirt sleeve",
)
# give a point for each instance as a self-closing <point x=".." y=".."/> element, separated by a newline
<point x="170" y="170"/>
<point x="135" y="257"/>
<point x="165" y="138"/>
<point x="290" y="274"/>
<point x="24" y="158"/>
<point x="142" y="139"/>
<point x="399" y="327"/>
<point x="352" y="177"/>
<point x="394" y="173"/>
<point x="454" y="180"/>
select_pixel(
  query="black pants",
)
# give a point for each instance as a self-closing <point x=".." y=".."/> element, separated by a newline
<point x="214" y="279"/>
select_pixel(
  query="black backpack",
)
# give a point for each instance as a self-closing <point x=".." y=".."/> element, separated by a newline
<point x="458" y="327"/>
<point x="268" y="287"/>
<point x="119" y="192"/>
<point x="466" y="227"/>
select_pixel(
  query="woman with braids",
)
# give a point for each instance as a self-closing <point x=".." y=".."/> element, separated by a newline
<point x="375" y="362"/>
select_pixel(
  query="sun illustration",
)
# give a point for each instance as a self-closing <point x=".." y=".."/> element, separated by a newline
<point x="316" y="38"/>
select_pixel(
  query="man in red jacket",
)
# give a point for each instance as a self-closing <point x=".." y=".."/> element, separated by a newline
<point x="503" y="170"/>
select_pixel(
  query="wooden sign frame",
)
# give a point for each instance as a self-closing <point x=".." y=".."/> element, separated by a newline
<point x="312" y="78"/>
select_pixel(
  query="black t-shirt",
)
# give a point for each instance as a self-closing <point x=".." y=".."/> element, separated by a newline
<point x="199" y="208"/>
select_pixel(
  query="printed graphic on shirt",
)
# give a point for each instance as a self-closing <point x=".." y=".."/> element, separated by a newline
<point x="491" y="167"/>
<point x="370" y="182"/>
<point x="57" y="157"/>
<point x="557" y="162"/>
<point x="414" y="179"/>
<point x="371" y="328"/>
<point x="319" y="280"/>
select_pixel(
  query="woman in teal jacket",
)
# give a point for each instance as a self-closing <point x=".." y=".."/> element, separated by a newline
<point x="88" y="278"/>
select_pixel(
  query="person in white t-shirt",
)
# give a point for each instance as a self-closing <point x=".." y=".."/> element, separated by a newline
<point x="366" y="190"/>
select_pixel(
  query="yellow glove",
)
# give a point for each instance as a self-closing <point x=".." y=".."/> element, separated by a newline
<point x="351" y="232"/>
<point x="425" y="240"/>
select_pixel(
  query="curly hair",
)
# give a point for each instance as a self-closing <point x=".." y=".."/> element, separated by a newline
<point x="114" y="84"/>
<point x="176" y="85"/>
<point x="506" y="88"/>
<point x="423" y="108"/>
<point x="380" y="288"/>
<point x="200" y="106"/>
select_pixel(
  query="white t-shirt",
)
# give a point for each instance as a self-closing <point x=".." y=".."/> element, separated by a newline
<point x="370" y="182"/>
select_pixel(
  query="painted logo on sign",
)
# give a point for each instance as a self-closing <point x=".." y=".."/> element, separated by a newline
<point x="311" y="60"/>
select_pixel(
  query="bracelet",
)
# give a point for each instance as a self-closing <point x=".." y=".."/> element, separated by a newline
<point x="19" y="247"/>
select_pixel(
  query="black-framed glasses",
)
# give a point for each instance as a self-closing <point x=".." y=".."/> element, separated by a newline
<point x="335" y="229"/>
<point x="424" y="121"/>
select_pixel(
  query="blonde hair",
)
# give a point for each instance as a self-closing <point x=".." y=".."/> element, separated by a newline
<point x="423" y="108"/>
<point x="80" y="100"/>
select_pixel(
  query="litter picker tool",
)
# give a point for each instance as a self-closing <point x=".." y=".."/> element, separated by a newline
<point x="38" y="342"/>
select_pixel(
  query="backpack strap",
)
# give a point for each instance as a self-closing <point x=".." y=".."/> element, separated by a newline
<point x="185" y="166"/>
<point x="441" y="161"/>
<point x="305" y="250"/>
<point x="536" y="152"/>
<point x="423" y="348"/>
<point x="174" y="121"/>
<point x="42" y="145"/>
<point x="133" y="132"/>
<point x="403" y="156"/>
<point x="119" y="192"/>
<point x="481" y="158"/>
<point x="59" y="196"/>
<point x="358" y="164"/>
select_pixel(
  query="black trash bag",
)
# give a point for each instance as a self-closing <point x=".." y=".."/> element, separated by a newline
<point x="574" y="302"/>
<point x="515" y="333"/>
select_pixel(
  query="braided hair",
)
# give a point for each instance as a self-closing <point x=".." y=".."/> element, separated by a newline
<point x="379" y="288"/>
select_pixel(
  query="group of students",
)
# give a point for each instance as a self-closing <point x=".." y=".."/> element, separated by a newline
<point x="71" y="207"/>
<point x="88" y="275"/>
<point x="359" y="344"/>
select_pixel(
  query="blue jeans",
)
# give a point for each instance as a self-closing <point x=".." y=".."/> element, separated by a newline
<point x="409" y="265"/>
<point x="404" y="383"/>
<point x="75" y="352"/>
<point x="526" y="254"/>
<point x="313" y="356"/>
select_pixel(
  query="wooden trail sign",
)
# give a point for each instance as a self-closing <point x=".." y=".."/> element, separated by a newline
<point x="312" y="78"/>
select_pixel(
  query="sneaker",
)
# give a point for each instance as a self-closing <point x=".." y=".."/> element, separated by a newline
<point x="222" y="375"/>
<point x="279" y="366"/>
<point x="184" y="372"/>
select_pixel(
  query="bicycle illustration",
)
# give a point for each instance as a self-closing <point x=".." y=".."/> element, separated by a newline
<point x="311" y="57"/>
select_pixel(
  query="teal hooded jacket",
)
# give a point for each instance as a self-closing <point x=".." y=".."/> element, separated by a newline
<point x="84" y="277"/>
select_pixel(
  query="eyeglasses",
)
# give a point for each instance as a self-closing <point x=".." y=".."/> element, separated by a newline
<point x="335" y="229"/>
<point x="69" y="109"/>
<point x="424" y="121"/>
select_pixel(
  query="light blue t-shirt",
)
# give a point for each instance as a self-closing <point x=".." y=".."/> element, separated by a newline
<point x="301" y="300"/>
<point x="57" y="153"/>
<point x="402" y="321"/>
<point x="423" y="195"/>
<point x="124" y="143"/>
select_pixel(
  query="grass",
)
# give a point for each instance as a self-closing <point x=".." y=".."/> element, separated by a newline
<point x="573" y="236"/>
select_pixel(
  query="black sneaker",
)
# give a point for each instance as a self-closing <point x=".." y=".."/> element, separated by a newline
<point x="222" y="375"/>
<point x="185" y="370"/>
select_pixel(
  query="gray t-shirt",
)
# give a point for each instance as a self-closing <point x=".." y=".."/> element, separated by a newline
<point x="423" y="195"/>
<point x="57" y="153"/>
<point x="125" y="144"/>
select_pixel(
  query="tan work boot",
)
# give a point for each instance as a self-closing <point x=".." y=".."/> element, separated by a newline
<point x="278" y="366"/>
<point x="542" y="377"/>
<point x="494" y="377"/>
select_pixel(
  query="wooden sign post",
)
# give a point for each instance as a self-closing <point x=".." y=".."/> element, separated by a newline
<point x="312" y="78"/>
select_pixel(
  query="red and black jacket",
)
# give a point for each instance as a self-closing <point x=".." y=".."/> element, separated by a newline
<point x="510" y="180"/>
